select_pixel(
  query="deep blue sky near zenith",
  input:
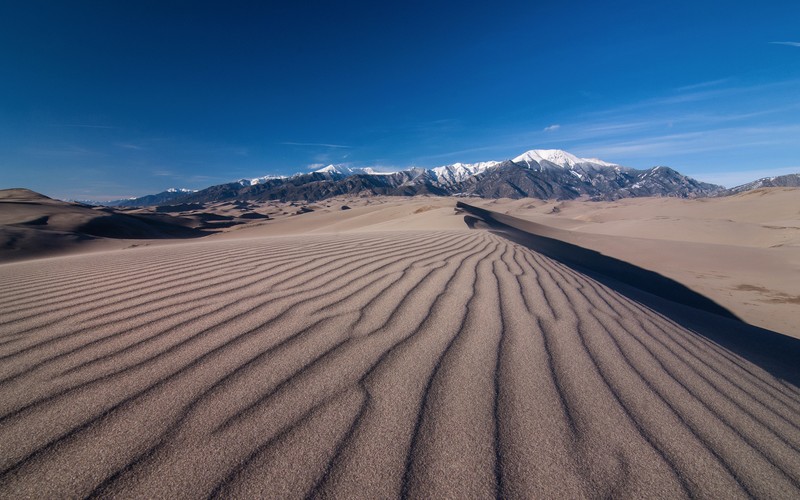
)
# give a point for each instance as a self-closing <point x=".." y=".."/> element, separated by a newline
<point x="102" y="100"/>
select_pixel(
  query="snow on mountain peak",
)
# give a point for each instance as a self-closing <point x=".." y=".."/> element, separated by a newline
<point x="598" y="161"/>
<point x="345" y="170"/>
<point x="329" y="169"/>
<point x="259" y="180"/>
<point x="457" y="172"/>
<point x="558" y="157"/>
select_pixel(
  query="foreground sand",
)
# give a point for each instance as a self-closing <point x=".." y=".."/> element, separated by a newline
<point x="428" y="363"/>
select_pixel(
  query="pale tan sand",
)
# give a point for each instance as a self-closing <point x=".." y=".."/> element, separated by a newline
<point x="369" y="364"/>
<point x="34" y="226"/>
<point x="365" y="214"/>
<point x="741" y="251"/>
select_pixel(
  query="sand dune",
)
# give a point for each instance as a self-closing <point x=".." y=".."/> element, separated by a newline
<point x="33" y="225"/>
<point x="741" y="251"/>
<point x="448" y="363"/>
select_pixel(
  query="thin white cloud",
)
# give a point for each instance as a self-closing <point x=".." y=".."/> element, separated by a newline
<point x="702" y="85"/>
<point x="128" y="146"/>
<point x="790" y="44"/>
<point x="322" y="158"/>
<point x="316" y="144"/>
<point x="698" y="96"/>
<point x="65" y="151"/>
<point x="315" y="166"/>
<point x="81" y="125"/>
<point x="552" y="128"/>
<point x="653" y="147"/>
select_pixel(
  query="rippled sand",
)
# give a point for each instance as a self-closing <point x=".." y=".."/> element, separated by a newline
<point x="450" y="363"/>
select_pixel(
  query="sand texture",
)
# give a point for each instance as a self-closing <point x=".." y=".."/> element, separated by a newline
<point x="741" y="251"/>
<point x="449" y="363"/>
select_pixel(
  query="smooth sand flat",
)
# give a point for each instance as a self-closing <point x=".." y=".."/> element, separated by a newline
<point x="370" y="364"/>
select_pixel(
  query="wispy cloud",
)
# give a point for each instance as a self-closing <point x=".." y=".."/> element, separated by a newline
<point x="552" y="128"/>
<point x="790" y="44"/>
<point x="703" y="95"/>
<point x="315" y="144"/>
<point x="653" y="147"/>
<point x="66" y="150"/>
<point x="322" y="158"/>
<point x="702" y="85"/>
<point x="628" y="124"/>
<point x="315" y="166"/>
<point x="611" y="127"/>
<point x="81" y="125"/>
<point x="128" y="146"/>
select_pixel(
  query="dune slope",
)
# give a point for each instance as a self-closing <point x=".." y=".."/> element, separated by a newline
<point x="379" y="364"/>
<point x="742" y="251"/>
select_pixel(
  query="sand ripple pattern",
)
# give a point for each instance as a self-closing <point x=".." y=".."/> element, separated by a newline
<point x="369" y="365"/>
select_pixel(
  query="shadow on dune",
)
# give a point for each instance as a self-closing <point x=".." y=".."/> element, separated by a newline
<point x="138" y="226"/>
<point x="776" y="353"/>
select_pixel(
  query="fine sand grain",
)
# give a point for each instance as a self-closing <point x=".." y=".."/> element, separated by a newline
<point x="741" y="251"/>
<point x="446" y="363"/>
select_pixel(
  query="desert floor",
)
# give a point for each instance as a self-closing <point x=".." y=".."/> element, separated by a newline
<point x="390" y="350"/>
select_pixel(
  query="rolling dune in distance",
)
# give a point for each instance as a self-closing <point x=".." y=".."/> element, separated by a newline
<point x="382" y="360"/>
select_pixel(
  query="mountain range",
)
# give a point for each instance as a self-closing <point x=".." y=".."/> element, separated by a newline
<point x="539" y="173"/>
<point x="790" y="180"/>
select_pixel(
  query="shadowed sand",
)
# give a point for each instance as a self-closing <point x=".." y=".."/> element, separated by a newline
<point x="447" y="363"/>
<point x="742" y="251"/>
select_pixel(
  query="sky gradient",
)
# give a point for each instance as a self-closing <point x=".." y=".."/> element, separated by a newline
<point x="100" y="100"/>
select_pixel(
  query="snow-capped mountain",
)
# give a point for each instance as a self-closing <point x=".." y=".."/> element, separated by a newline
<point x="538" y="173"/>
<point x="345" y="170"/>
<point x="556" y="157"/>
<point x="458" y="172"/>
<point x="162" y="198"/>
<point x="790" y="180"/>
<point x="260" y="180"/>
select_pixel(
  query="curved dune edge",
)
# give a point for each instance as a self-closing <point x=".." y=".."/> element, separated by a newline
<point x="775" y="352"/>
<point x="739" y="251"/>
<point x="427" y="364"/>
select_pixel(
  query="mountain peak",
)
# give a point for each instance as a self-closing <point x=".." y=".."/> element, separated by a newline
<point x="558" y="157"/>
<point x="550" y="174"/>
<point x="457" y="172"/>
<point x="345" y="170"/>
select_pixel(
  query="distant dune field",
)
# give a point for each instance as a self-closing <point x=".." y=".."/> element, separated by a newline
<point x="363" y="364"/>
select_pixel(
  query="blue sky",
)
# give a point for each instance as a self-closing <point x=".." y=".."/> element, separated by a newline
<point x="100" y="100"/>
